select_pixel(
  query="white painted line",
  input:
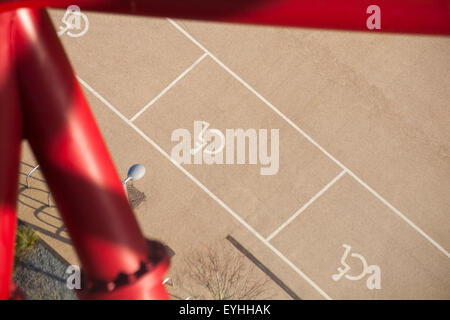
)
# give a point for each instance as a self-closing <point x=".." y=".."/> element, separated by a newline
<point x="306" y="205"/>
<point x="318" y="146"/>
<point x="205" y="189"/>
<point x="401" y="215"/>
<point x="245" y="84"/>
<point x="148" y="105"/>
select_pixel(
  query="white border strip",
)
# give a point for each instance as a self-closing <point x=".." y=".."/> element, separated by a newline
<point x="205" y="189"/>
<point x="284" y="117"/>
<point x="185" y="72"/>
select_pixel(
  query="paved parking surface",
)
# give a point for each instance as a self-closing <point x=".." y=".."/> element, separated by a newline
<point x="363" y="165"/>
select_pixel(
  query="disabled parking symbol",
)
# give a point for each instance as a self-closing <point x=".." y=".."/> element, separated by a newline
<point x="373" y="280"/>
<point x="76" y="23"/>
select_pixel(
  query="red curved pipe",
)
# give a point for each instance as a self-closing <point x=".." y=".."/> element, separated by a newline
<point x="405" y="16"/>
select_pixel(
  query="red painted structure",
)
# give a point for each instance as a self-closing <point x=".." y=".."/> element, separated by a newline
<point x="65" y="139"/>
<point x="409" y="16"/>
<point x="41" y="100"/>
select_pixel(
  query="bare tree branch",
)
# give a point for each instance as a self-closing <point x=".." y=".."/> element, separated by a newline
<point x="220" y="274"/>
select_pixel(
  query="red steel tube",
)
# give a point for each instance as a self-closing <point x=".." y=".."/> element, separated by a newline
<point x="405" y="16"/>
<point x="74" y="159"/>
<point x="10" y="143"/>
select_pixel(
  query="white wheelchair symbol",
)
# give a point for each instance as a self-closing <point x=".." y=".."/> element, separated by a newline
<point x="72" y="20"/>
<point x="373" y="281"/>
<point x="202" y="140"/>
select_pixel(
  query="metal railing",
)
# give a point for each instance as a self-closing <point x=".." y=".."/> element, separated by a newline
<point x="28" y="183"/>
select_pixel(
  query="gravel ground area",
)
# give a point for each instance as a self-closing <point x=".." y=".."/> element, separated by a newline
<point x="41" y="275"/>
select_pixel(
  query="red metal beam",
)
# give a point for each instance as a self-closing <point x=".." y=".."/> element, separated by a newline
<point x="10" y="142"/>
<point x="79" y="171"/>
<point x="405" y="16"/>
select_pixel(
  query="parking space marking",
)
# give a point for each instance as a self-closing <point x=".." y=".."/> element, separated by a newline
<point x="306" y="205"/>
<point x="206" y="190"/>
<point x="317" y="145"/>
<point x="181" y="76"/>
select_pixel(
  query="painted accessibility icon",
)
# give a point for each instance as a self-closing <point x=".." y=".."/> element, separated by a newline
<point x="374" y="272"/>
<point x="203" y="137"/>
<point x="74" y="20"/>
